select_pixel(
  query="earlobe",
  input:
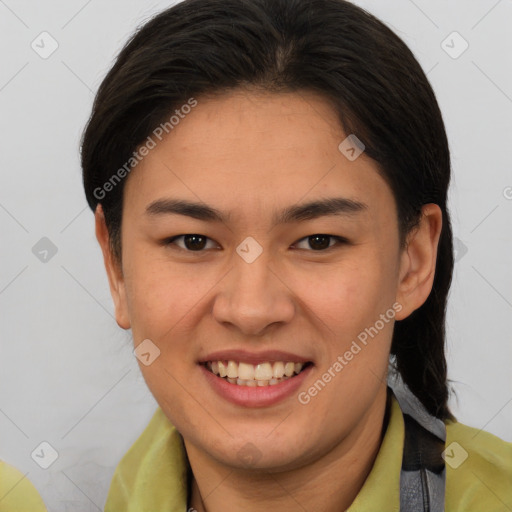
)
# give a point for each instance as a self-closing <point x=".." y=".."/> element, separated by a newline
<point x="418" y="261"/>
<point x="113" y="269"/>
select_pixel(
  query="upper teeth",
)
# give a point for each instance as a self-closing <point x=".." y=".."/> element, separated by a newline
<point x="261" y="371"/>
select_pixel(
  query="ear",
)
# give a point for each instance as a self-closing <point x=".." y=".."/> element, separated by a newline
<point x="114" y="270"/>
<point x="418" y="261"/>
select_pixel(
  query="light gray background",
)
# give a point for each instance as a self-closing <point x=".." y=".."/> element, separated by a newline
<point x="68" y="375"/>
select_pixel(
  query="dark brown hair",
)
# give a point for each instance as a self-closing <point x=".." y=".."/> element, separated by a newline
<point x="331" y="47"/>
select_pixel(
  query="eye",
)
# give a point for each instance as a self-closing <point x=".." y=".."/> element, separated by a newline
<point x="196" y="242"/>
<point x="191" y="242"/>
<point x="320" y="242"/>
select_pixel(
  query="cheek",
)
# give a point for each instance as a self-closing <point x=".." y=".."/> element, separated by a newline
<point x="157" y="295"/>
<point x="351" y="293"/>
<point x="167" y="300"/>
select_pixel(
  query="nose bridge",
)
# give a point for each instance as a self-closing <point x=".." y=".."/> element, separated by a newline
<point x="252" y="278"/>
<point x="251" y="296"/>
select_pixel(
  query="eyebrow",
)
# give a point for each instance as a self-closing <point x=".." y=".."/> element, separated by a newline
<point x="296" y="213"/>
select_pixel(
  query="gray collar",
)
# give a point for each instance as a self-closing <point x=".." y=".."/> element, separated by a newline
<point x="423" y="472"/>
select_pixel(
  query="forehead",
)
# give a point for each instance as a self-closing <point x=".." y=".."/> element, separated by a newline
<point x="253" y="150"/>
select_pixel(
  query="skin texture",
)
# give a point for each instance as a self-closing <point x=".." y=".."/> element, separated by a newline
<point x="250" y="154"/>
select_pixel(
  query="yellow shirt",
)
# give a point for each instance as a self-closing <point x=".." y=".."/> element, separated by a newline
<point x="152" y="476"/>
<point x="17" y="494"/>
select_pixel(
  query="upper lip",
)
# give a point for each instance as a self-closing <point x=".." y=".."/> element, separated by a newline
<point x="253" y="357"/>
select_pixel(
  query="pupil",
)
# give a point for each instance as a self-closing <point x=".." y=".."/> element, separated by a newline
<point x="195" y="242"/>
<point x="318" y="246"/>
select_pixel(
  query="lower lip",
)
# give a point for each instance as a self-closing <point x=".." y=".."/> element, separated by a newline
<point x="257" y="396"/>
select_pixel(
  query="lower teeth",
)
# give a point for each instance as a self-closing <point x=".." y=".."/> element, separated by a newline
<point x="255" y="383"/>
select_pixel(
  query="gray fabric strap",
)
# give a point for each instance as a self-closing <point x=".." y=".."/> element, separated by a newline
<point x="423" y="473"/>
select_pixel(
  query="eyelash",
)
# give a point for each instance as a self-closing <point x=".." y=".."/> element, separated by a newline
<point x="339" y="239"/>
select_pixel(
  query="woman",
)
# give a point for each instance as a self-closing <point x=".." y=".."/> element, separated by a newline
<point x="269" y="180"/>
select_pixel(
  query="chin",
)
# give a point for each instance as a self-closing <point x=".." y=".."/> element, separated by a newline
<point x="263" y="453"/>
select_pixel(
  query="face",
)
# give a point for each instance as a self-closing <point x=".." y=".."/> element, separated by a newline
<point x="254" y="278"/>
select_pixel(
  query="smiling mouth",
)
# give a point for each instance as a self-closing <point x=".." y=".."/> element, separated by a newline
<point x="256" y="375"/>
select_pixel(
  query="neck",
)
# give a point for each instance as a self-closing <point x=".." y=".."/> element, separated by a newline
<point x="329" y="484"/>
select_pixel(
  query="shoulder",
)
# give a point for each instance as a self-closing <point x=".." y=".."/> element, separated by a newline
<point x="17" y="493"/>
<point x="152" y="473"/>
<point x="478" y="470"/>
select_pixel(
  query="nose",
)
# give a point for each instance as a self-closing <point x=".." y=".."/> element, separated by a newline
<point x="254" y="297"/>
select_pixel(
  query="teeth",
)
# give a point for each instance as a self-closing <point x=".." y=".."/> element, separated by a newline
<point x="246" y="371"/>
<point x="263" y="371"/>
<point x="263" y="374"/>
<point x="278" y="370"/>
<point x="232" y="369"/>
<point x="222" y="369"/>
<point x="289" y="368"/>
